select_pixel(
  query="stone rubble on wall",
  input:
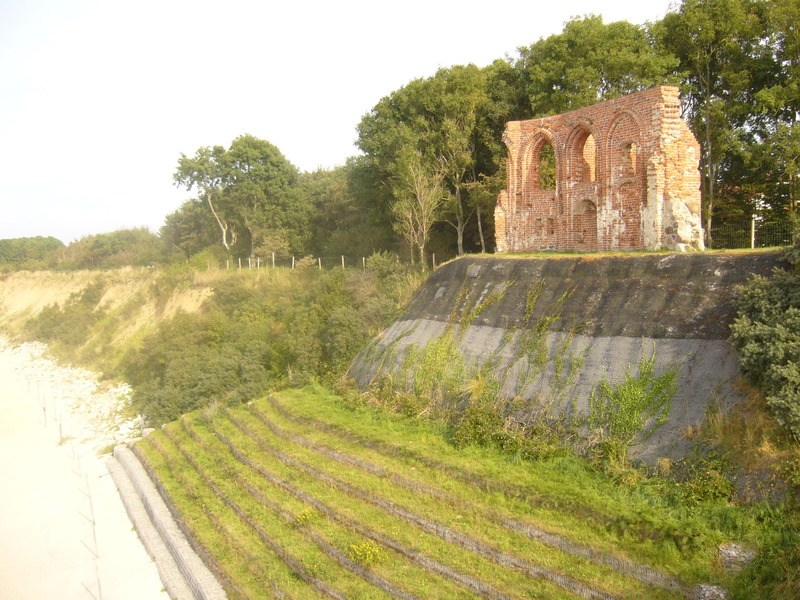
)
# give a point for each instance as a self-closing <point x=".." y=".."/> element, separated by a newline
<point x="91" y="411"/>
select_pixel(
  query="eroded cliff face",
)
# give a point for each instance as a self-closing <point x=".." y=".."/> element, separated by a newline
<point x="551" y="331"/>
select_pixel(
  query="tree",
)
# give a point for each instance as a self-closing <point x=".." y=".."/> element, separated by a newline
<point x="251" y="191"/>
<point x="718" y="43"/>
<point x="418" y="187"/>
<point x="439" y="122"/>
<point x="205" y="171"/>
<point x="123" y="247"/>
<point x="348" y="217"/>
<point x="28" y="253"/>
<point x="778" y="107"/>
<point x="259" y="184"/>
<point x="590" y="62"/>
<point x="456" y="98"/>
<point x="191" y="228"/>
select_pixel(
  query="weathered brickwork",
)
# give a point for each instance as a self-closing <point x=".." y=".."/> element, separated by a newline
<point x="619" y="175"/>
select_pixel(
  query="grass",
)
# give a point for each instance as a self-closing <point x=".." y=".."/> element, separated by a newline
<point x="300" y="494"/>
<point x="604" y="253"/>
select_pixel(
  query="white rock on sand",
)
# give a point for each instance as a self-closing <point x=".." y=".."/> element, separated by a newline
<point x="64" y="531"/>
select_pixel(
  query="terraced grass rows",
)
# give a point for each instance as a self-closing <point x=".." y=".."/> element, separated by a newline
<point x="329" y="549"/>
<point x="483" y="546"/>
<point x="558" y="499"/>
<point x="622" y="565"/>
<point x="247" y="570"/>
<point x="431" y="565"/>
<point x="298" y="508"/>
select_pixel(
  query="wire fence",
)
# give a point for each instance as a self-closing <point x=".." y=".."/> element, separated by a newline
<point x="283" y="261"/>
<point x="751" y="234"/>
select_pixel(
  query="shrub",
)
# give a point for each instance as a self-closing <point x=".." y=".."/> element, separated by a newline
<point x="70" y="324"/>
<point x="766" y="335"/>
<point x="479" y="425"/>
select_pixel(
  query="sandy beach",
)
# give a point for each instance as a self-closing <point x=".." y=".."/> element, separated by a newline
<point x="65" y="533"/>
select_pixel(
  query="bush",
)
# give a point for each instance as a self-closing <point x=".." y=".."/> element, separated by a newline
<point x="766" y="335"/>
<point x="70" y="324"/>
<point x="622" y="411"/>
<point x="253" y="334"/>
<point x="479" y="425"/>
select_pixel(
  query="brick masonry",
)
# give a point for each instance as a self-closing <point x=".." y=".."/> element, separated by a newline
<point x="625" y="177"/>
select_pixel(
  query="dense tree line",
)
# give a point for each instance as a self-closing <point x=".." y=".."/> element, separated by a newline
<point x="433" y="158"/>
<point x="27" y="253"/>
<point x="124" y="247"/>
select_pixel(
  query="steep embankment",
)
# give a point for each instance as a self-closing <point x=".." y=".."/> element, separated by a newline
<point x="130" y="300"/>
<point x="550" y="332"/>
<point x="24" y="294"/>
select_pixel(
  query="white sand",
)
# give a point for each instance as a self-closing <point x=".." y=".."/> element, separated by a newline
<point x="53" y="485"/>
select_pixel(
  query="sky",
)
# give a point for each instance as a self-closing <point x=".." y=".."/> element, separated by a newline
<point x="99" y="98"/>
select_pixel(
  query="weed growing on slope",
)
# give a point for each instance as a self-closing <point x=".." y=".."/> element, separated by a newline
<point x="367" y="554"/>
<point x="637" y="406"/>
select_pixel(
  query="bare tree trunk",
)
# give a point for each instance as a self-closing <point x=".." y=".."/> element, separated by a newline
<point x="460" y="224"/>
<point x="223" y="225"/>
<point x="480" y="229"/>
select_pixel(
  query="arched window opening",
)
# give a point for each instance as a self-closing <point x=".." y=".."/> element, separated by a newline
<point x="547" y="167"/>
<point x="589" y="153"/>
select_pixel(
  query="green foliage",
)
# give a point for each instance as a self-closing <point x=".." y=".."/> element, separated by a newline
<point x="434" y="143"/>
<point x="70" y="324"/>
<point x="436" y="372"/>
<point x="348" y="218"/>
<point x="478" y="425"/>
<point x="774" y="573"/>
<point x="704" y="476"/>
<point x="622" y="411"/>
<point x="588" y="62"/>
<point x="192" y="229"/>
<point x="250" y="191"/>
<point x="766" y="334"/>
<point x="124" y="247"/>
<point x="27" y="253"/>
<point x="254" y="334"/>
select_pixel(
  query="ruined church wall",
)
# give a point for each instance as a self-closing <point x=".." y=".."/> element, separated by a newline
<point x="625" y="178"/>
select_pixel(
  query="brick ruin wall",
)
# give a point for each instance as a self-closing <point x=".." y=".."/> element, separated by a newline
<point x="619" y="175"/>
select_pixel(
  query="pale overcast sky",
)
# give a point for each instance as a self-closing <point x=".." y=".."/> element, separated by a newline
<point x="98" y="98"/>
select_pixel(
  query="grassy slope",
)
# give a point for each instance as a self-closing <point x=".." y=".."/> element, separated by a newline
<point x="295" y="494"/>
